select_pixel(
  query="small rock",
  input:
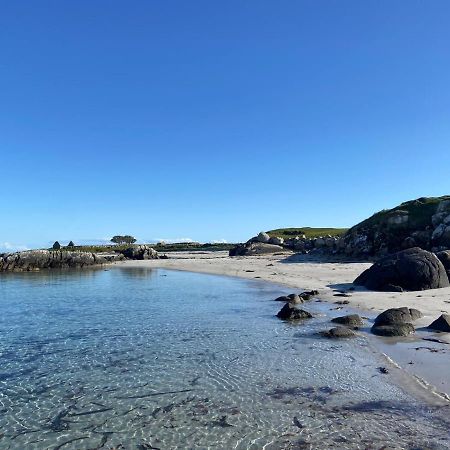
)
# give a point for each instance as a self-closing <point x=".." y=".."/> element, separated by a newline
<point x="290" y="312"/>
<point x="351" y="320"/>
<point x="442" y="323"/>
<point x="338" y="332"/>
<point x="397" y="316"/>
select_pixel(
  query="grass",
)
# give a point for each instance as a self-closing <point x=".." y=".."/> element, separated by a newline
<point x="289" y="233"/>
<point x="419" y="211"/>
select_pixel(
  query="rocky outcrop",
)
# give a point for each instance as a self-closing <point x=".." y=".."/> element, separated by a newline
<point x="290" y="312"/>
<point x="140" y="252"/>
<point x="32" y="260"/>
<point x="424" y="223"/>
<point x="396" y="322"/>
<point x="411" y="270"/>
<point x="255" y="248"/>
<point x="442" y="323"/>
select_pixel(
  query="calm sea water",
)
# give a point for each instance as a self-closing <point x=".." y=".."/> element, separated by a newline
<point x="136" y="358"/>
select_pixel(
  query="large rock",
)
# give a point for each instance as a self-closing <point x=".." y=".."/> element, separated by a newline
<point x="396" y="322"/>
<point x="263" y="237"/>
<point x="413" y="269"/>
<point x="397" y="316"/>
<point x="290" y="312"/>
<point x="441" y="324"/>
<point x="254" y="249"/>
<point x="444" y="258"/>
<point x="140" y="252"/>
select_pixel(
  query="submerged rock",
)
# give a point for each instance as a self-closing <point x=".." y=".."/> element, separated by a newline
<point x="290" y="312"/>
<point x="442" y="323"/>
<point x="413" y="269"/>
<point x="351" y="320"/>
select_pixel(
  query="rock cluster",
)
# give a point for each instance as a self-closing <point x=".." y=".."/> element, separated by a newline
<point x="140" y="252"/>
<point x="46" y="259"/>
<point x="413" y="269"/>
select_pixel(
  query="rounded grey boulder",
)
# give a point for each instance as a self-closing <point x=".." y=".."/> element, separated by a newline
<point x="338" y="333"/>
<point x="397" y="316"/>
<point x="413" y="269"/>
<point x="351" y="320"/>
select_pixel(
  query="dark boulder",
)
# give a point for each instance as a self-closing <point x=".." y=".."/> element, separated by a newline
<point x="397" y="316"/>
<point x="413" y="269"/>
<point x="444" y="257"/>
<point x="338" y="333"/>
<point x="399" y="329"/>
<point x="441" y="324"/>
<point x="290" y="312"/>
<point x="351" y="320"/>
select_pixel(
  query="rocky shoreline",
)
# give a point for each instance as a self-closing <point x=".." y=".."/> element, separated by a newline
<point x="35" y="260"/>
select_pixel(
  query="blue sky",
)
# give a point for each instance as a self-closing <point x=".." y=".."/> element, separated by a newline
<point x="215" y="120"/>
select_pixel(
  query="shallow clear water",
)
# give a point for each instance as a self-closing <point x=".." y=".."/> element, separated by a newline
<point x="136" y="358"/>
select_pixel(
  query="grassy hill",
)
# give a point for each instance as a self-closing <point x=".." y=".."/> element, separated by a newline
<point x="419" y="212"/>
<point x="289" y="233"/>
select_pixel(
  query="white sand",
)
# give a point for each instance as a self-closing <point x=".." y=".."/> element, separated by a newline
<point x="431" y="362"/>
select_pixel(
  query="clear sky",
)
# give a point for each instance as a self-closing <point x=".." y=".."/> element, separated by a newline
<point x="214" y="120"/>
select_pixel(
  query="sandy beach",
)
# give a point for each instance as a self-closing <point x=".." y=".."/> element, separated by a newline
<point x="417" y="361"/>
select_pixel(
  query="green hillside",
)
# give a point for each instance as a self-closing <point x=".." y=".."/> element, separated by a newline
<point x="289" y="233"/>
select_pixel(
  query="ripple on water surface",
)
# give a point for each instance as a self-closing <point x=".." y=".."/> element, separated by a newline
<point x="140" y="359"/>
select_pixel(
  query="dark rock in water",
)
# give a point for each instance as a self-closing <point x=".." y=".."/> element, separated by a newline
<point x="290" y="312"/>
<point x="255" y="248"/>
<point x="338" y="332"/>
<point x="308" y="295"/>
<point x="399" y="329"/>
<point x="351" y="320"/>
<point x="413" y="269"/>
<point x="441" y="324"/>
<point x="397" y="316"/>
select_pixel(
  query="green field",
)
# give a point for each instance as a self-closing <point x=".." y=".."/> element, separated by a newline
<point x="289" y="233"/>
